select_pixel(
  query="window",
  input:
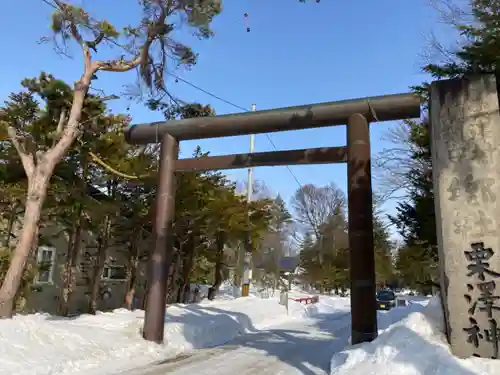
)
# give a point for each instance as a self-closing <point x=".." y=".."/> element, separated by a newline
<point x="386" y="295"/>
<point x="46" y="257"/>
<point x="114" y="273"/>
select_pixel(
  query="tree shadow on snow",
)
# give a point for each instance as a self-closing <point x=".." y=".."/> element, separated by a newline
<point x="206" y="326"/>
<point x="309" y="354"/>
<point x="304" y="352"/>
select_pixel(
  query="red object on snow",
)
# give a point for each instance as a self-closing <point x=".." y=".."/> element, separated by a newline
<point x="307" y="300"/>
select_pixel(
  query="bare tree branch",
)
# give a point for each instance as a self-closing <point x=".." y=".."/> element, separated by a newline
<point x="314" y="206"/>
<point x="26" y="157"/>
<point x="60" y="124"/>
<point x="393" y="165"/>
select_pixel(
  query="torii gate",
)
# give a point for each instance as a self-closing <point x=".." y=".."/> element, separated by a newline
<point x="355" y="113"/>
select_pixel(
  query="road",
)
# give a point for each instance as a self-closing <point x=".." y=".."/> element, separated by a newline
<point x="296" y="347"/>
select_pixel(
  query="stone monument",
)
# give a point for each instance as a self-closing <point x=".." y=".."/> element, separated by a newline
<point x="465" y="135"/>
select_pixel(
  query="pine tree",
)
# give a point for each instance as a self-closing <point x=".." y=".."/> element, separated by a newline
<point x="144" y="46"/>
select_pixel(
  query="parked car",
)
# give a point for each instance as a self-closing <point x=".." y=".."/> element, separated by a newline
<point x="386" y="299"/>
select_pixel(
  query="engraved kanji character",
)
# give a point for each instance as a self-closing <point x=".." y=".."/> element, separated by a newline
<point x="487" y="193"/>
<point x="472" y="309"/>
<point x="471" y="150"/>
<point x="474" y="187"/>
<point x="473" y="333"/>
<point x="479" y="256"/>
<point x="479" y="225"/>
<point x="477" y="127"/>
<point x="454" y="189"/>
<point x="483" y="224"/>
<point x="476" y="106"/>
<point x="493" y="335"/>
<point x="487" y="299"/>
<point x="485" y="154"/>
<point x="462" y="225"/>
<point x="455" y="151"/>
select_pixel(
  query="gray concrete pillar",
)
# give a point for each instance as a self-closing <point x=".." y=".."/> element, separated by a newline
<point x="465" y="137"/>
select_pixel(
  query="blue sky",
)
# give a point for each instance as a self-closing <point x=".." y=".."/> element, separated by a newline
<point x="295" y="54"/>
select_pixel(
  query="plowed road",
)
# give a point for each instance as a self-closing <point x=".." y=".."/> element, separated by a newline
<point x="297" y="347"/>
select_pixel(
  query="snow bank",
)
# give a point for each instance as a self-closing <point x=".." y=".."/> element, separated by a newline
<point x="414" y="346"/>
<point x="106" y="343"/>
<point x="110" y="342"/>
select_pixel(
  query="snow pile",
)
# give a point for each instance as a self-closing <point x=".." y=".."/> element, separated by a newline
<point x="227" y="291"/>
<point x="40" y="344"/>
<point x="216" y="322"/>
<point x="326" y="305"/>
<point x="414" y="346"/>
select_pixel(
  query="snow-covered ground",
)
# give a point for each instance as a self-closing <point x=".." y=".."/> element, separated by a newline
<point x="41" y="344"/>
<point x="415" y="345"/>
<point x="295" y="347"/>
<point x="227" y="336"/>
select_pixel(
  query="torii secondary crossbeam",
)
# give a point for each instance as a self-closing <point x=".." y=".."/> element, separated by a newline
<point x="355" y="113"/>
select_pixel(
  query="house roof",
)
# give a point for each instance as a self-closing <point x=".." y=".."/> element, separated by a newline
<point x="289" y="264"/>
<point x="286" y="264"/>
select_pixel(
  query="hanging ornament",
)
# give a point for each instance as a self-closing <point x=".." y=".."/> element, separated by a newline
<point x="246" y="22"/>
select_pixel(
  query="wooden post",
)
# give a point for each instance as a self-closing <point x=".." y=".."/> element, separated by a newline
<point x="362" y="254"/>
<point x="154" y="320"/>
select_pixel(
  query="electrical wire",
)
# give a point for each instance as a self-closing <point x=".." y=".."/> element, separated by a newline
<point x="235" y="106"/>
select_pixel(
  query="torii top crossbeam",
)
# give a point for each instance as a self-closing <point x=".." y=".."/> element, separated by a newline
<point x="376" y="108"/>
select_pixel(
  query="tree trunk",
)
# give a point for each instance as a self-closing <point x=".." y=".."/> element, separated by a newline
<point x="181" y="290"/>
<point x="96" y="278"/>
<point x="238" y="272"/>
<point x="171" y="278"/>
<point x="278" y="272"/>
<point x="63" y="308"/>
<point x="186" y="293"/>
<point x="10" y="224"/>
<point x="212" y="292"/>
<point x="39" y="169"/>
<point x="132" y="275"/>
<point x="129" y="297"/>
<point x="99" y="267"/>
<point x="188" y="265"/>
<point x="70" y="266"/>
<point x="175" y="284"/>
<point x="74" y="247"/>
<point x="37" y="191"/>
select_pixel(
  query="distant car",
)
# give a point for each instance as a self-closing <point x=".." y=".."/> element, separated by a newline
<point x="386" y="300"/>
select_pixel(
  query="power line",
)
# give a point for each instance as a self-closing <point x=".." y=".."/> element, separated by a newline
<point x="235" y="106"/>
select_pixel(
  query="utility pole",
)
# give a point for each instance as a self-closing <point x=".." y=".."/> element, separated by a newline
<point x="247" y="267"/>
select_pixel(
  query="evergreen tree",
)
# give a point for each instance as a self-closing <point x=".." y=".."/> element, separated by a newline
<point x="415" y="218"/>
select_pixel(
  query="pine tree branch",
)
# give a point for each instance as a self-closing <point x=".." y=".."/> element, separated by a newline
<point x="122" y="65"/>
